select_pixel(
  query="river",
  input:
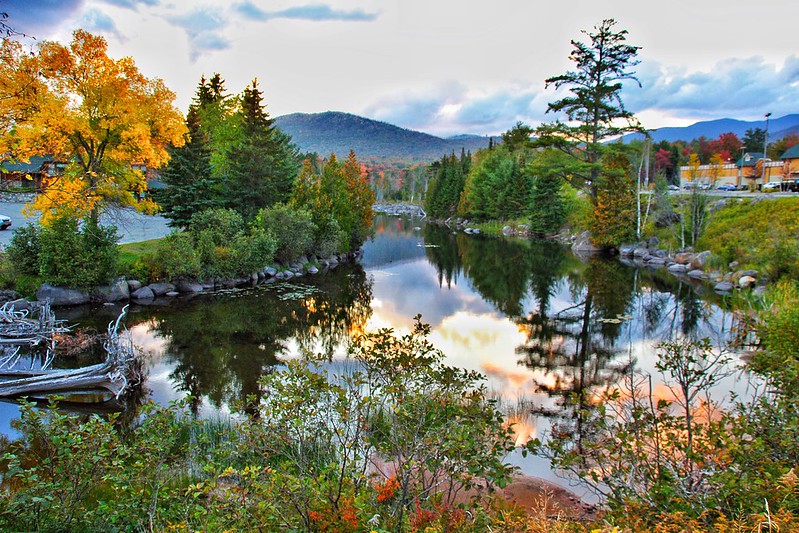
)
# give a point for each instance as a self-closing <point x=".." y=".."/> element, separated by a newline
<point x="538" y="322"/>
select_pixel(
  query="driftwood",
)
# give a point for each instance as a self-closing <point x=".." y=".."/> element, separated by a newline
<point x="119" y="373"/>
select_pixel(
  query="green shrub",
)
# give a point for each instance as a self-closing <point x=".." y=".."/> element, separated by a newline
<point x="219" y="225"/>
<point x="24" y="249"/>
<point x="176" y="258"/>
<point x="329" y="237"/>
<point x="292" y="227"/>
<point x="77" y="255"/>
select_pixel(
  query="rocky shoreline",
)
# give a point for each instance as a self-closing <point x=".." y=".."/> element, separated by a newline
<point x="123" y="290"/>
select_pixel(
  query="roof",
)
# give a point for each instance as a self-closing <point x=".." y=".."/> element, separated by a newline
<point x="750" y="159"/>
<point x="791" y="153"/>
<point x="35" y="165"/>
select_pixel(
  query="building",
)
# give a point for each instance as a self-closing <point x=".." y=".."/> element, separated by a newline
<point x="746" y="172"/>
<point x="30" y="174"/>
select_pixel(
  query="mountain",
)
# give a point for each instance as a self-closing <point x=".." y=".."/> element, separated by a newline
<point x="328" y="132"/>
<point x="778" y="128"/>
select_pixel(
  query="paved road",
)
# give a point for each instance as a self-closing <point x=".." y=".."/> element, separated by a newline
<point x="133" y="226"/>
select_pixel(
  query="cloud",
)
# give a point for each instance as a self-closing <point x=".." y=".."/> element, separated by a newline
<point x="311" y="12"/>
<point x="453" y="108"/>
<point x="204" y="28"/>
<point x="132" y="4"/>
<point x="734" y="87"/>
<point x="98" y="22"/>
<point x="38" y="18"/>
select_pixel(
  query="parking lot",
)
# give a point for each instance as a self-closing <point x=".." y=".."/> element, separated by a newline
<point x="133" y="226"/>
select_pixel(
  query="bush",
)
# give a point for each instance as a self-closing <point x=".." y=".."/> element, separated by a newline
<point x="25" y="248"/>
<point x="220" y="226"/>
<point x="329" y="237"/>
<point x="77" y="255"/>
<point x="292" y="227"/>
<point x="176" y="258"/>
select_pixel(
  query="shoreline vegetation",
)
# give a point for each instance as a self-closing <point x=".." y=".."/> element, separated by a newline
<point x="390" y="443"/>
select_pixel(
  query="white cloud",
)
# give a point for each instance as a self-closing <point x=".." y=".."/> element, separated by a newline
<point x="449" y="66"/>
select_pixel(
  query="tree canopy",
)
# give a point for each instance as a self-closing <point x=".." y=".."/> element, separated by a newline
<point x="98" y="114"/>
<point x="594" y="109"/>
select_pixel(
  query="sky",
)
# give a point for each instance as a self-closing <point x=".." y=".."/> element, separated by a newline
<point x="446" y="67"/>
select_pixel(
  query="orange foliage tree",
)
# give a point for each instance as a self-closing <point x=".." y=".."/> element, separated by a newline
<point x="102" y="117"/>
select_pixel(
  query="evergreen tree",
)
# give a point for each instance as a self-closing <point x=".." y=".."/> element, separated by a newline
<point x="547" y="210"/>
<point x="613" y="221"/>
<point x="190" y="184"/>
<point x="262" y="162"/>
<point x="358" y="217"/>
<point x="594" y="108"/>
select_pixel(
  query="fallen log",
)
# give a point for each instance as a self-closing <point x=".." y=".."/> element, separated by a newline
<point x="119" y="373"/>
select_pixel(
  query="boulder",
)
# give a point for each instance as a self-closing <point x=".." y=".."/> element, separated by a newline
<point x="161" y="288"/>
<point x="61" y="296"/>
<point x="134" y="285"/>
<point x="20" y="304"/>
<point x="143" y="293"/>
<point x="653" y="242"/>
<point x="583" y="244"/>
<point x="189" y="287"/>
<point x="696" y="273"/>
<point x="172" y="294"/>
<point x="270" y="272"/>
<point x="723" y="286"/>
<point x="684" y="258"/>
<point x="312" y="270"/>
<point x="627" y="250"/>
<point x="116" y="292"/>
<point x="678" y="268"/>
<point x="701" y="259"/>
<point x="746" y="281"/>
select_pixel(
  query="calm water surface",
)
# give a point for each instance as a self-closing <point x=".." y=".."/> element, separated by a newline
<point x="539" y="323"/>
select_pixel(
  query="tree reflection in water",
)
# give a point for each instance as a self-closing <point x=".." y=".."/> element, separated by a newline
<point x="220" y="345"/>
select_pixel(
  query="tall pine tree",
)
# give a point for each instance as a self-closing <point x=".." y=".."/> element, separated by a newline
<point x="262" y="163"/>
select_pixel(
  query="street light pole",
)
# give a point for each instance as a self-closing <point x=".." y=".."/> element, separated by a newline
<point x="765" y="146"/>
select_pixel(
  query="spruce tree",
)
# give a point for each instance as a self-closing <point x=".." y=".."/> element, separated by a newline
<point x="262" y="163"/>
<point x="190" y="184"/>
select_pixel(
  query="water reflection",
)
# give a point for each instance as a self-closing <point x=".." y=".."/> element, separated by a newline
<point x="547" y="328"/>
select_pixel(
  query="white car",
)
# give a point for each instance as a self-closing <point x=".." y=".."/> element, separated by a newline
<point x="5" y="222"/>
<point x="771" y="186"/>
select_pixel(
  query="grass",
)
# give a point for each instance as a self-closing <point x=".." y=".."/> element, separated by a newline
<point x="132" y="261"/>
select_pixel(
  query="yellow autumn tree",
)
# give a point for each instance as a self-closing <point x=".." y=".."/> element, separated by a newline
<point x="102" y="117"/>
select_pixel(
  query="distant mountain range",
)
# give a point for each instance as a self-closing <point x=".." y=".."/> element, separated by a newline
<point x="337" y="132"/>
<point x="777" y="129"/>
<point x="328" y="132"/>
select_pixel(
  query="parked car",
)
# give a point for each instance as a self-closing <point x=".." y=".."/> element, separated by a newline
<point x="771" y="186"/>
<point x="5" y="222"/>
<point x="726" y="187"/>
<point x="673" y="187"/>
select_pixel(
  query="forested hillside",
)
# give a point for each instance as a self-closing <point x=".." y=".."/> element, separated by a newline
<point x="328" y="132"/>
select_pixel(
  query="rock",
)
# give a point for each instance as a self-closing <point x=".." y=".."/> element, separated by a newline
<point x="701" y="259"/>
<point x="161" y="288"/>
<point x="752" y="273"/>
<point x="627" y="250"/>
<point x="507" y="230"/>
<point x="760" y="290"/>
<point x="653" y="242"/>
<point x="661" y="253"/>
<point x="476" y="231"/>
<point x="715" y="275"/>
<point x="746" y="281"/>
<point x="134" y="285"/>
<point x="696" y="274"/>
<point x="733" y="265"/>
<point x="280" y="275"/>
<point x="116" y="292"/>
<point x="684" y="258"/>
<point x="678" y="268"/>
<point x="172" y="294"/>
<point x="61" y="296"/>
<point x="313" y="270"/>
<point x="640" y="252"/>
<point x="270" y="272"/>
<point x="143" y="293"/>
<point x="724" y="286"/>
<point x="20" y="304"/>
<point x="583" y="244"/>
<point x="189" y="287"/>
<point x="254" y="278"/>
<point x="656" y="261"/>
